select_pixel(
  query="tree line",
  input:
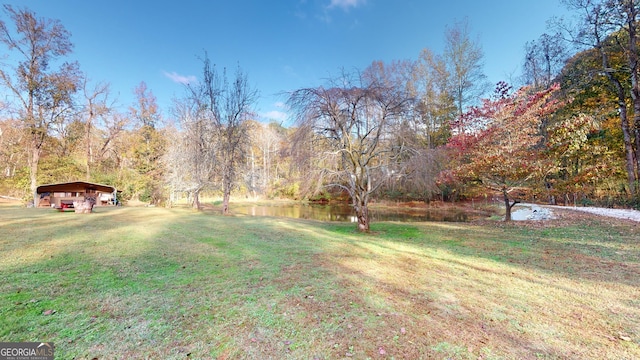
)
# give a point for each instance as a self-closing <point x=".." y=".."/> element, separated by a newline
<point x="423" y="129"/>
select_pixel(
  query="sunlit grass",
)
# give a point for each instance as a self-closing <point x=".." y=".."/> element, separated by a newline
<point x="174" y="283"/>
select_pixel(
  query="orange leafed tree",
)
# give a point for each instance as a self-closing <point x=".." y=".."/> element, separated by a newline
<point x="500" y="143"/>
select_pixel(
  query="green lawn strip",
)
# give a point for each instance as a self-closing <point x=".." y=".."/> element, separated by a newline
<point x="161" y="283"/>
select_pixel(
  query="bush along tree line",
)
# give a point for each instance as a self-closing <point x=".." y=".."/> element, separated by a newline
<point x="424" y="129"/>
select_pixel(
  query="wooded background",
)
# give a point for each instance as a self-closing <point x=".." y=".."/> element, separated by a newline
<point x="429" y="128"/>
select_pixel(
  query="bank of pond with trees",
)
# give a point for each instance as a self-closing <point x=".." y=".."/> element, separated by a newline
<point x="425" y="129"/>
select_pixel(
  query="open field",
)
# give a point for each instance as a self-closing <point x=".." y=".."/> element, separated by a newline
<point x="132" y="283"/>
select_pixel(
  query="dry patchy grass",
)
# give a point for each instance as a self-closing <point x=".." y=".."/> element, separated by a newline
<point x="174" y="284"/>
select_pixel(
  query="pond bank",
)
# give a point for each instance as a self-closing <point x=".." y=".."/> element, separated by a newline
<point x="345" y="213"/>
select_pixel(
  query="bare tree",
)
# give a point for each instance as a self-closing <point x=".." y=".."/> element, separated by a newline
<point x="263" y="156"/>
<point x="268" y="142"/>
<point x="226" y="106"/>
<point x="423" y="168"/>
<point x="111" y="127"/>
<point x="349" y="125"/>
<point x="44" y="95"/>
<point x="544" y="59"/>
<point x="464" y="59"/>
<point x="192" y="153"/>
<point x="96" y="106"/>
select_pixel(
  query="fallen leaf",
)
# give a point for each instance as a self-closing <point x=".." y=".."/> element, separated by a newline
<point x="49" y="312"/>
<point x="625" y="338"/>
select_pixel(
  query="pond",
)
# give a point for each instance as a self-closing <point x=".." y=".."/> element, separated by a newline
<point x="345" y="213"/>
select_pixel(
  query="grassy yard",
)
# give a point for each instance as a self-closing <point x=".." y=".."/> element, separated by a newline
<point x="134" y="283"/>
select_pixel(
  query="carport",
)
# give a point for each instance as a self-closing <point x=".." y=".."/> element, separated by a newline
<point x="62" y="195"/>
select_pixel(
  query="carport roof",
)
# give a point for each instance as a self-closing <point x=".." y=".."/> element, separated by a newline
<point x="74" y="186"/>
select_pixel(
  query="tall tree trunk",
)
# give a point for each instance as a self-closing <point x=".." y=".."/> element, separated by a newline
<point x="635" y="186"/>
<point x="624" y="125"/>
<point x="362" y="214"/>
<point x="33" y="175"/>
<point x="264" y="168"/>
<point x="226" y="194"/>
<point x="508" y="205"/>
<point x="632" y="56"/>
<point x="622" y="106"/>
<point x="196" y="199"/>
<point x="88" y="135"/>
<point x="628" y="146"/>
<point x="360" y="191"/>
<point x="227" y="183"/>
<point x="253" y="174"/>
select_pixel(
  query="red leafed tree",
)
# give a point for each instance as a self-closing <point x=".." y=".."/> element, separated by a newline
<point x="500" y="143"/>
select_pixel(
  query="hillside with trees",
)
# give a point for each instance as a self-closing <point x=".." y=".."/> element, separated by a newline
<point x="424" y="129"/>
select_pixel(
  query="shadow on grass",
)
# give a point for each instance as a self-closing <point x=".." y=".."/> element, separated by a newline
<point x="584" y="251"/>
<point x="536" y="291"/>
<point x="168" y="283"/>
<point x="156" y="282"/>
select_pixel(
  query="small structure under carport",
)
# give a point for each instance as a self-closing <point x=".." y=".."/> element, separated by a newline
<point x="69" y="195"/>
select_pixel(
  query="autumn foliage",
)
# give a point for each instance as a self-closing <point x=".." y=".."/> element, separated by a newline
<point x="500" y="144"/>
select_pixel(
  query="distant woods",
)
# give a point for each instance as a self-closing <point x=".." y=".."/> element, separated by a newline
<point x="423" y="129"/>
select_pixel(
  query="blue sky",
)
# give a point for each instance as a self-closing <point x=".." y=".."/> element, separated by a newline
<point x="283" y="44"/>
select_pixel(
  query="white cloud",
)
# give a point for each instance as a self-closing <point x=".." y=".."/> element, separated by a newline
<point x="180" y="79"/>
<point x="275" y="115"/>
<point x="346" y="4"/>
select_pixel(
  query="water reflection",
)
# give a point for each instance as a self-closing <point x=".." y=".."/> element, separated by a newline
<point x="345" y="213"/>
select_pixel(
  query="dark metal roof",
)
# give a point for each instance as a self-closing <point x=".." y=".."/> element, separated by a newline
<point x="75" y="186"/>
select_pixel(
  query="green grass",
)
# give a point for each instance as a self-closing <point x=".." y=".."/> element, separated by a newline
<point x="174" y="284"/>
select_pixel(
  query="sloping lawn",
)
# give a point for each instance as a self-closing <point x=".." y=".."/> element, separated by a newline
<point x="154" y="283"/>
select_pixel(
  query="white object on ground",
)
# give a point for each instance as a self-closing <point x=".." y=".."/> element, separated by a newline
<point x="531" y="212"/>
<point x="628" y="214"/>
<point x="525" y="211"/>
